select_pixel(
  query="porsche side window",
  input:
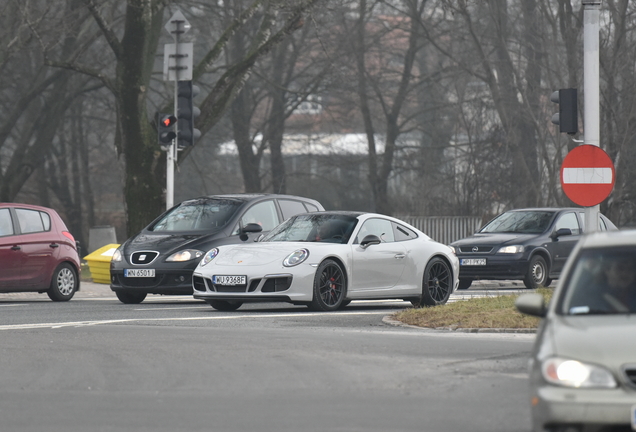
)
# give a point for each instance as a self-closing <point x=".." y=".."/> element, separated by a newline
<point x="32" y="221"/>
<point x="263" y="213"/>
<point x="6" y="225"/>
<point x="570" y="221"/>
<point x="403" y="233"/>
<point x="379" y="227"/>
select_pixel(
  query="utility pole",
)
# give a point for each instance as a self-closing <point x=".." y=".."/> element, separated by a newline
<point x="591" y="88"/>
<point x="177" y="66"/>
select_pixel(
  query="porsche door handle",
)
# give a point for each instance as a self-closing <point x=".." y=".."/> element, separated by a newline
<point x="400" y="256"/>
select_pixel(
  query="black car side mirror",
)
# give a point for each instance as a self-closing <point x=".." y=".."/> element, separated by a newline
<point x="370" y="240"/>
<point x="249" y="228"/>
<point x="561" y="232"/>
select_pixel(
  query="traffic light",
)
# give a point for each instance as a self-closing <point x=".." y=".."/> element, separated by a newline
<point x="568" y="116"/>
<point x="165" y="128"/>
<point x="186" y="113"/>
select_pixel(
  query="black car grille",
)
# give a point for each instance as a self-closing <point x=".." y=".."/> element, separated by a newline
<point x="143" y="257"/>
<point x="475" y="249"/>
<point x="198" y="283"/>
<point x="274" y="284"/>
<point x="630" y="374"/>
<point x="277" y="284"/>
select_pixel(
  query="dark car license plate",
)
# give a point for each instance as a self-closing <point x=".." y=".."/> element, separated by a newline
<point x="229" y="280"/>
<point x="473" y="262"/>
<point x="139" y="273"/>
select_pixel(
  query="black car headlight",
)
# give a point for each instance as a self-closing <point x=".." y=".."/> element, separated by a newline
<point x="117" y="255"/>
<point x="511" y="249"/>
<point x="185" y="255"/>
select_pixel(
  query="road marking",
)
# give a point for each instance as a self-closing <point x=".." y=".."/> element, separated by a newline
<point x="132" y="320"/>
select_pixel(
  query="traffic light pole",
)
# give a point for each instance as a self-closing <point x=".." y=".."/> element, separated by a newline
<point x="591" y="88"/>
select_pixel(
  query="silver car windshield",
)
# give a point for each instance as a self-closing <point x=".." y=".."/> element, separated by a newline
<point x="520" y="222"/>
<point x="325" y="228"/>
<point x="198" y="215"/>
<point x="603" y="281"/>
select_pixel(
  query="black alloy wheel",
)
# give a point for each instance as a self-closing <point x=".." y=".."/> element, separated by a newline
<point x="130" y="297"/>
<point x="437" y="284"/>
<point x="225" y="305"/>
<point x="330" y="287"/>
<point x="537" y="275"/>
<point x="64" y="283"/>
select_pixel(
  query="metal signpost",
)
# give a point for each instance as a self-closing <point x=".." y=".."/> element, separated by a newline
<point x="177" y="66"/>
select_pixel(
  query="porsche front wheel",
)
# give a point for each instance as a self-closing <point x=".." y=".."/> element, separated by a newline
<point x="330" y="287"/>
<point x="225" y="306"/>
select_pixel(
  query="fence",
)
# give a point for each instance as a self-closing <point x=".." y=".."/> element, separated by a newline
<point x="444" y="229"/>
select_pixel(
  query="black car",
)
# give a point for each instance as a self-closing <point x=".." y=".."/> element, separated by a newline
<point x="529" y="244"/>
<point x="161" y="258"/>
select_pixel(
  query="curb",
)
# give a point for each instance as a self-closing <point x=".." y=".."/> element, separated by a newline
<point x="390" y="321"/>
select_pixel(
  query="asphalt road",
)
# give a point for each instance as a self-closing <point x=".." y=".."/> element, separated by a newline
<point x="174" y="364"/>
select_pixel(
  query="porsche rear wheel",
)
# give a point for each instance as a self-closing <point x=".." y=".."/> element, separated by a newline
<point x="330" y="287"/>
<point x="225" y="306"/>
<point x="437" y="284"/>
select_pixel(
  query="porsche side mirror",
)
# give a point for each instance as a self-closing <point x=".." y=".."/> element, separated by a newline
<point x="561" y="232"/>
<point x="531" y="304"/>
<point x="369" y="240"/>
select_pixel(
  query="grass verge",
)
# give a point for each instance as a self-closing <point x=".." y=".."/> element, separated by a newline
<point x="486" y="312"/>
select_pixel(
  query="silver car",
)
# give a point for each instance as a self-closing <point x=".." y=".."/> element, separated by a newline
<point x="583" y="365"/>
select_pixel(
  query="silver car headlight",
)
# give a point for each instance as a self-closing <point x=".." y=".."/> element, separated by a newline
<point x="185" y="255"/>
<point x="511" y="249"/>
<point x="573" y="373"/>
<point x="209" y="256"/>
<point x="296" y="257"/>
<point x="117" y="255"/>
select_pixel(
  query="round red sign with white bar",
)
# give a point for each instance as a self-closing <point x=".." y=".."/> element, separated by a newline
<point x="587" y="175"/>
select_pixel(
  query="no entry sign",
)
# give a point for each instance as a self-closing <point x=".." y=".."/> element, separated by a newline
<point x="587" y="175"/>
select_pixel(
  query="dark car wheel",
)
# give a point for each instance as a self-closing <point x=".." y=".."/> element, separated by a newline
<point x="537" y="275"/>
<point x="63" y="284"/>
<point x="330" y="287"/>
<point x="465" y="284"/>
<point x="130" y="297"/>
<point x="437" y="284"/>
<point x="225" y="306"/>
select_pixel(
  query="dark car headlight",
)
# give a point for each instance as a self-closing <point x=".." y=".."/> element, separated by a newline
<point x="573" y="373"/>
<point x="117" y="255"/>
<point x="185" y="255"/>
<point x="511" y="249"/>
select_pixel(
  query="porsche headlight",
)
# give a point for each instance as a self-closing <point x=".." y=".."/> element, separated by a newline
<point x="185" y="255"/>
<point x="117" y="255"/>
<point x="572" y="373"/>
<point x="511" y="249"/>
<point x="296" y="257"/>
<point x="209" y="256"/>
<point x="452" y="248"/>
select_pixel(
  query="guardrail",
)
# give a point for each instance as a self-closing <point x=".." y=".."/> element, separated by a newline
<point x="445" y="229"/>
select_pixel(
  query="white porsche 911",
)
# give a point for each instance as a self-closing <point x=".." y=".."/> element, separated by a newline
<point x="326" y="259"/>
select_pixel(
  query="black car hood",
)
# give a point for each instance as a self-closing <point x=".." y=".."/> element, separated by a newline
<point x="494" y="239"/>
<point x="167" y="243"/>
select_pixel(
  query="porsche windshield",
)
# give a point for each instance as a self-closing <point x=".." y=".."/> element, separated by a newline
<point x="520" y="222"/>
<point x="326" y="228"/>
<point x="602" y="281"/>
<point x="198" y="215"/>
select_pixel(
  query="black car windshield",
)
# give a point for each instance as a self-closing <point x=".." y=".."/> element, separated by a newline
<point x="602" y="281"/>
<point x="198" y="215"/>
<point x="315" y="227"/>
<point x="520" y="222"/>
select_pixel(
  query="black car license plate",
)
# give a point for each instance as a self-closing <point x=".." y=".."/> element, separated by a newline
<point x="149" y="273"/>
<point x="473" y="262"/>
<point x="229" y="280"/>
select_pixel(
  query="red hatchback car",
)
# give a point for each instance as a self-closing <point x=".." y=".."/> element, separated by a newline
<point x="37" y="252"/>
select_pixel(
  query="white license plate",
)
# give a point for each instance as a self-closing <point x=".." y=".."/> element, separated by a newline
<point x="139" y="273"/>
<point x="634" y="417"/>
<point x="473" y="261"/>
<point x="229" y="280"/>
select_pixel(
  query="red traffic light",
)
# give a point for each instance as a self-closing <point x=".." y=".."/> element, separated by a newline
<point x="168" y="120"/>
